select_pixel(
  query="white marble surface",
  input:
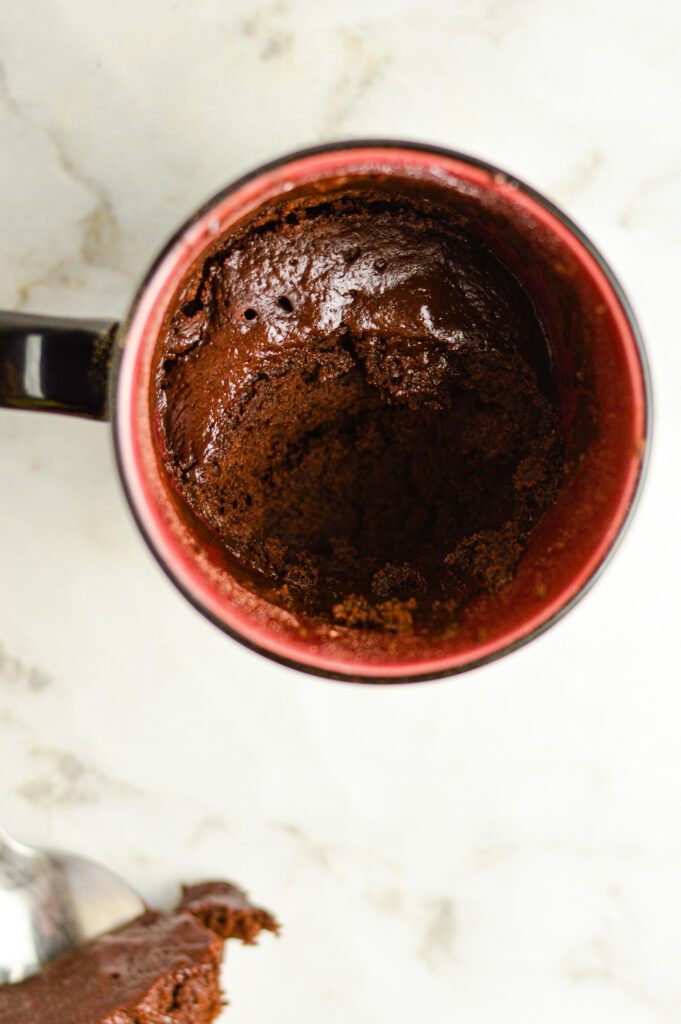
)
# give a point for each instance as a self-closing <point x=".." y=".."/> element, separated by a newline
<point x="501" y="846"/>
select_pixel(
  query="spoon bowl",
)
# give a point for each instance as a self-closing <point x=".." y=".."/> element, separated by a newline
<point x="51" y="901"/>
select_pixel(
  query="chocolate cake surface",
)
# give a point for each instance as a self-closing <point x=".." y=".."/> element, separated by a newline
<point x="161" y="968"/>
<point x="356" y="397"/>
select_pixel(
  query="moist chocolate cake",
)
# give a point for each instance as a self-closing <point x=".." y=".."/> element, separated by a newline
<point x="356" y="397"/>
<point x="161" y="968"/>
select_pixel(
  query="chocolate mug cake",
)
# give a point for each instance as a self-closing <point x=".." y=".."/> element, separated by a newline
<point x="160" y="968"/>
<point x="357" y="399"/>
<point x="381" y="411"/>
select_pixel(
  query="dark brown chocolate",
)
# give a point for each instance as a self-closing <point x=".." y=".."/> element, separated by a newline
<point x="226" y="910"/>
<point x="356" y="397"/>
<point x="158" y="969"/>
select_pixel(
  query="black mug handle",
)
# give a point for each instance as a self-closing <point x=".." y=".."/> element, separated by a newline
<point x="55" y="364"/>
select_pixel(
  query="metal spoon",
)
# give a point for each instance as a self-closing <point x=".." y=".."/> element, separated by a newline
<point x="51" y="901"/>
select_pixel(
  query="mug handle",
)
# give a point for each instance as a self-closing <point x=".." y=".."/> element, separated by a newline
<point x="55" y="364"/>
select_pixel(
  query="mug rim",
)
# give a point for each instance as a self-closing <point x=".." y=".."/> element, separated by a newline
<point x="498" y="175"/>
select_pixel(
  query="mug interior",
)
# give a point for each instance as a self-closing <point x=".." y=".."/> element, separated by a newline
<point x="602" y="392"/>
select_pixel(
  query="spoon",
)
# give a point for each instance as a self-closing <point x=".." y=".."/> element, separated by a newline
<point x="51" y="901"/>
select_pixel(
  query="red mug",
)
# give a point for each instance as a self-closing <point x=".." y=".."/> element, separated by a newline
<point x="104" y="370"/>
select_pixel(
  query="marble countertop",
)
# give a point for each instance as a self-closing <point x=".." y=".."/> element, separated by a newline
<point x="505" y="845"/>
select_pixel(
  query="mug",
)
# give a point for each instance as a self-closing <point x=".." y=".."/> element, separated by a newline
<point x="104" y="371"/>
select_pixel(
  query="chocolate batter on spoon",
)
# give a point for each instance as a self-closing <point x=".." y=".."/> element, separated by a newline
<point x="356" y="397"/>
